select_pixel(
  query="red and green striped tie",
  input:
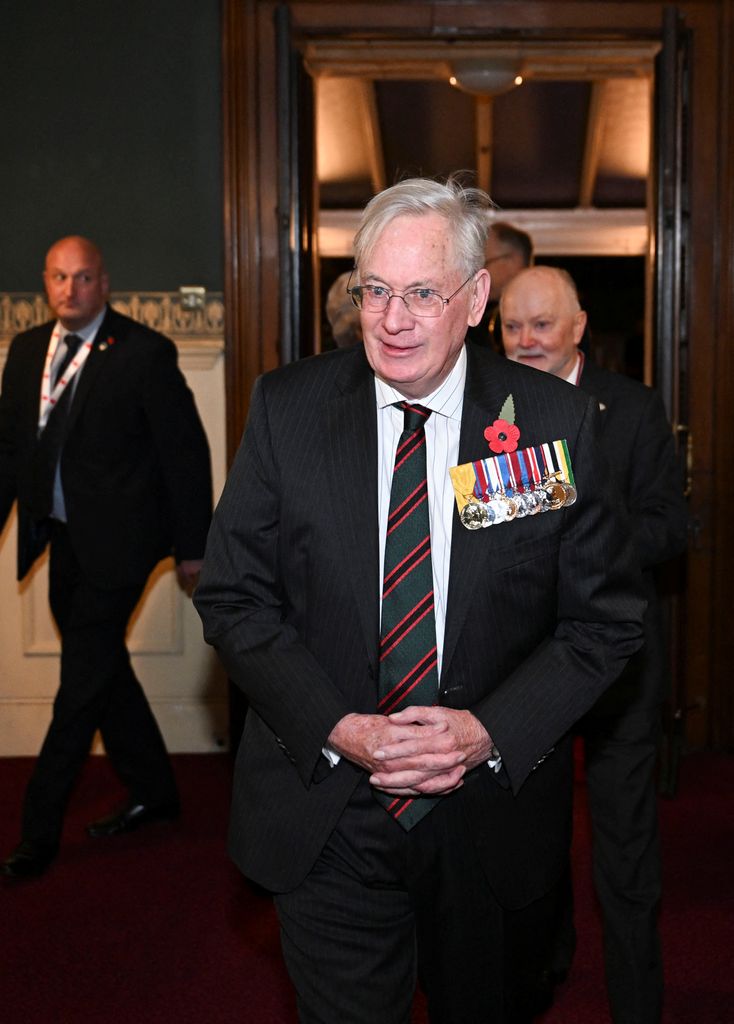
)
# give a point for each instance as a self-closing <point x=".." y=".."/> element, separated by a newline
<point x="408" y="655"/>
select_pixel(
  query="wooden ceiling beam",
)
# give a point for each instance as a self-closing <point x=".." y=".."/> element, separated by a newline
<point x="613" y="232"/>
<point x="593" y="144"/>
<point x="389" y="59"/>
<point x="373" y="135"/>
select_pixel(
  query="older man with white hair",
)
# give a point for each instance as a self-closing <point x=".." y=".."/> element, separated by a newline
<point x="404" y="781"/>
<point x="542" y="325"/>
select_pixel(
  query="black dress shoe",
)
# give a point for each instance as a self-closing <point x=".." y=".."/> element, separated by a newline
<point x="130" y="817"/>
<point x="27" y="861"/>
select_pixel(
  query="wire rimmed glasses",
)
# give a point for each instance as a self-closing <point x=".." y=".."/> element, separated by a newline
<point x="375" y="298"/>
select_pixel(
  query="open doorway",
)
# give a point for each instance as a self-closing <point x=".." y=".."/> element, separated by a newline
<point x="559" y="138"/>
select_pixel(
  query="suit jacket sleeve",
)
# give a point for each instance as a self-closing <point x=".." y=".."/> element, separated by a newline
<point x="178" y="436"/>
<point x="19" y="400"/>
<point x="245" y="612"/>
<point x="8" y="448"/>
<point x="654" y="488"/>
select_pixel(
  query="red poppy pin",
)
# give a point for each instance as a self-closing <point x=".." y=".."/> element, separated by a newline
<point x="503" y="435"/>
<point x="106" y="344"/>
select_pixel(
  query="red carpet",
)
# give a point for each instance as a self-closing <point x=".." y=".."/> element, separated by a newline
<point x="158" y="926"/>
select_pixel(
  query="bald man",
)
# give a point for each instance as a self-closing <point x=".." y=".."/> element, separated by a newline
<point x="542" y="325"/>
<point x="102" y="447"/>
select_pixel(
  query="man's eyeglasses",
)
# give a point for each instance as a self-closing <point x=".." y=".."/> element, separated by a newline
<point x="375" y="298"/>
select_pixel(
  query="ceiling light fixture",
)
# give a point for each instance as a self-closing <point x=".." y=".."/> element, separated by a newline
<point x="482" y="77"/>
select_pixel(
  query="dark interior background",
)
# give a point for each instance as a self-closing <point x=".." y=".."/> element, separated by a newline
<point x="110" y="117"/>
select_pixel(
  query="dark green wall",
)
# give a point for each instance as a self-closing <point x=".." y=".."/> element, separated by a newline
<point x="110" y="127"/>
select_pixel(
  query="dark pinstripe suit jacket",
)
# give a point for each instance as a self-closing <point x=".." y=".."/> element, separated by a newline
<point x="542" y="614"/>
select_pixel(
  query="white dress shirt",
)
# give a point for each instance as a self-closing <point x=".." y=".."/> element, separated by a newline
<point x="443" y="428"/>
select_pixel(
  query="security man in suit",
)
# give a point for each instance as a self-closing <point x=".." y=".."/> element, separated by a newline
<point x="403" y="784"/>
<point x="103" y="449"/>
<point x="542" y="325"/>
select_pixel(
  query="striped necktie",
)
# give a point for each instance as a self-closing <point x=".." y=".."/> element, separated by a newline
<point x="408" y="655"/>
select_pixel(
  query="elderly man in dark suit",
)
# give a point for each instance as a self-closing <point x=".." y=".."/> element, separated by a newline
<point x="102" y="446"/>
<point x="403" y="783"/>
<point x="542" y="325"/>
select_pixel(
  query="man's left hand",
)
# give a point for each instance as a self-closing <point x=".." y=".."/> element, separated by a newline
<point x="411" y="769"/>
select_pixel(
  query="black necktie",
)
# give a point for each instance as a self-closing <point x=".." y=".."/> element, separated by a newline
<point x="72" y="342"/>
<point x="50" y="442"/>
<point x="408" y="654"/>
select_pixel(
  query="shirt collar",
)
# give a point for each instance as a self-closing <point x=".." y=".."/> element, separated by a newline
<point x="446" y="400"/>
<point x="86" y="333"/>
<point x="575" y="374"/>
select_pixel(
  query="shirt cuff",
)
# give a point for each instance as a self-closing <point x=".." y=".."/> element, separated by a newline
<point x="494" y="761"/>
<point x="331" y="756"/>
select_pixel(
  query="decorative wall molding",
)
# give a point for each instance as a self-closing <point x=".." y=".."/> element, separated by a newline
<point x="163" y="311"/>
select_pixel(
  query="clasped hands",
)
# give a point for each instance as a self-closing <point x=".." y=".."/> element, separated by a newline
<point x="416" y="751"/>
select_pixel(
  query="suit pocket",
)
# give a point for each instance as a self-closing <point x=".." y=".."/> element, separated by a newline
<point x="523" y="541"/>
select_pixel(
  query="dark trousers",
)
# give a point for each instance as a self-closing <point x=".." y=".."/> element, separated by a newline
<point x="98" y="690"/>
<point x="620" y="754"/>
<point x="382" y="906"/>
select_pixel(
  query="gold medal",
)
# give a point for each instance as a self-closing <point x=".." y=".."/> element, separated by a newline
<point x="555" y="495"/>
<point x="571" y="494"/>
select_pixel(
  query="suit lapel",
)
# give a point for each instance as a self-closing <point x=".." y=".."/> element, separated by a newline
<point x="594" y="382"/>
<point x="351" y="423"/>
<point x="34" y="377"/>
<point x="95" y="362"/>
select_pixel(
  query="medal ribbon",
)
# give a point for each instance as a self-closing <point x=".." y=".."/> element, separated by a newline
<point x="481" y="487"/>
<point x="519" y="474"/>
<point x="505" y="470"/>
<point x="511" y="473"/>
<point x="565" y="459"/>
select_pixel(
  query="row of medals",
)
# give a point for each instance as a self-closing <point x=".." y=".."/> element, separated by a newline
<point x="549" y="495"/>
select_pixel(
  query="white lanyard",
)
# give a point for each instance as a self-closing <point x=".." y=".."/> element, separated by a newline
<point x="50" y="398"/>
